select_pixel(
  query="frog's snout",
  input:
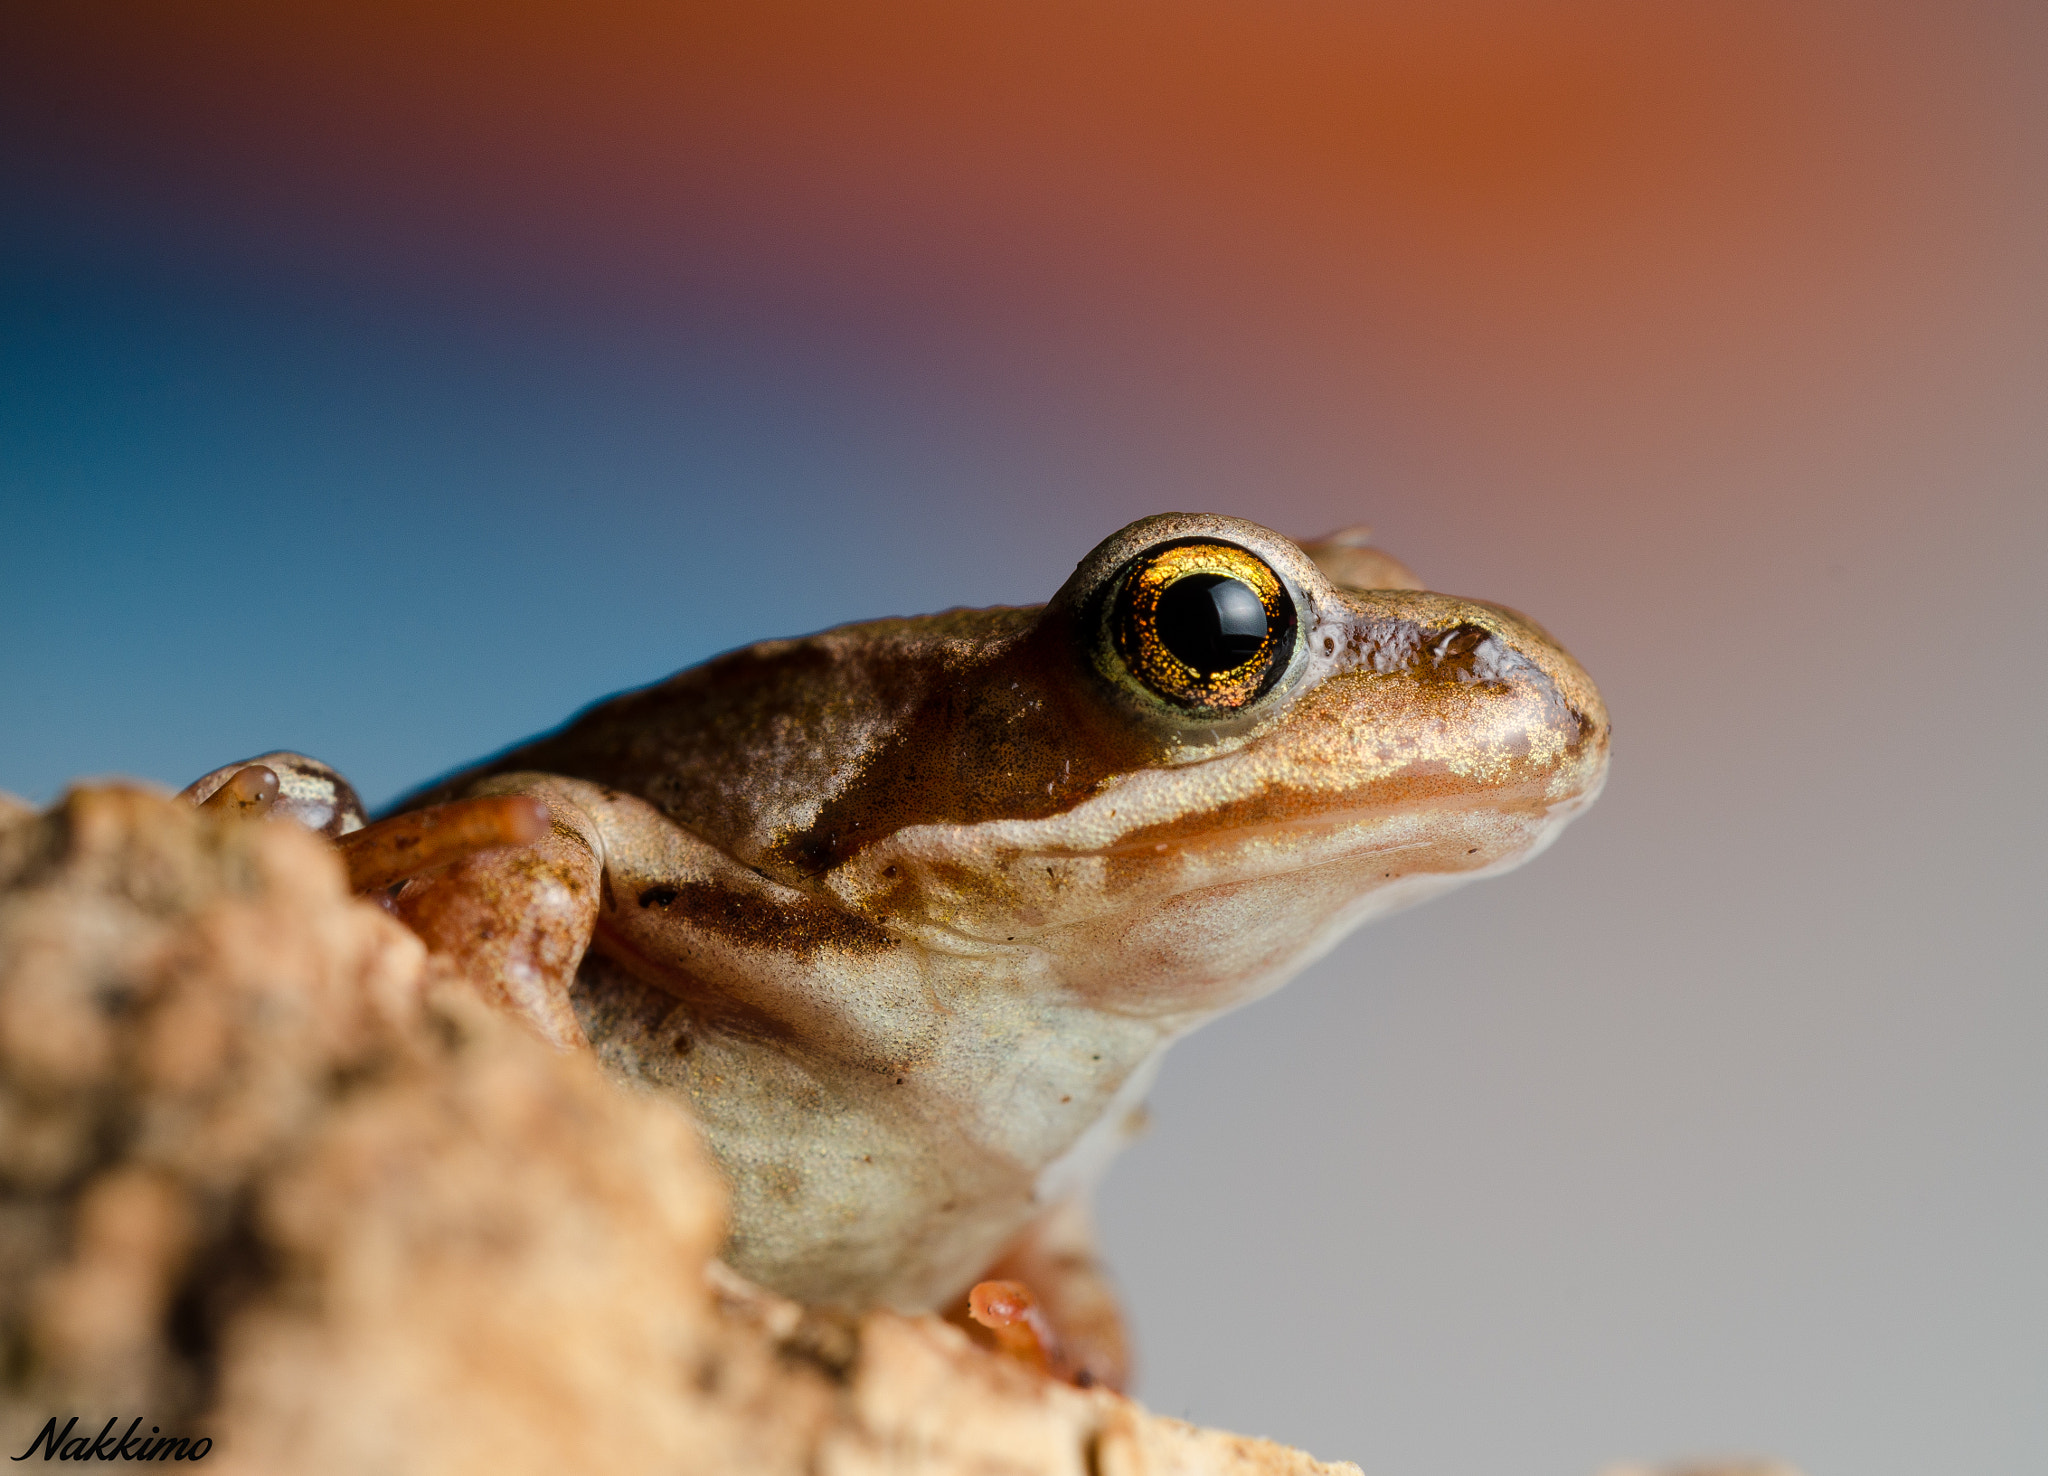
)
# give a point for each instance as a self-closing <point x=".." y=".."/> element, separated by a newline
<point x="1447" y="651"/>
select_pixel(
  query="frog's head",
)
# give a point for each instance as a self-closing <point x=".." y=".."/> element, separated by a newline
<point x="1206" y="759"/>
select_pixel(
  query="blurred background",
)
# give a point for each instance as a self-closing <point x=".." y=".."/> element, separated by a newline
<point x="389" y="381"/>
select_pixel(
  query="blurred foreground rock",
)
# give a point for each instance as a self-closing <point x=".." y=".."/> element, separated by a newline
<point x="271" y="1177"/>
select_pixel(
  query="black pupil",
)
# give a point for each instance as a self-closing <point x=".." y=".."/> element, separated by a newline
<point x="1211" y="621"/>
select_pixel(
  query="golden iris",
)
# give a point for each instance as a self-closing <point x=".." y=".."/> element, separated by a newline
<point x="1204" y="625"/>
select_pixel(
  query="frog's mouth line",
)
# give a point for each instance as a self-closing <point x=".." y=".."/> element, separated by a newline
<point x="1257" y="817"/>
<point x="1299" y="832"/>
<point x="1506" y="836"/>
<point x="1314" y="845"/>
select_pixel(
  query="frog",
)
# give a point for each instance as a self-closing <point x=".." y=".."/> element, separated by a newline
<point x="905" y="913"/>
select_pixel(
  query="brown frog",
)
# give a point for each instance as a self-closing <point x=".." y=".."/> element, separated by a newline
<point x="905" y="913"/>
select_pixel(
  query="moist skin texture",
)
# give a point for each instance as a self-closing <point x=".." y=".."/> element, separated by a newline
<point x="906" y="911"/>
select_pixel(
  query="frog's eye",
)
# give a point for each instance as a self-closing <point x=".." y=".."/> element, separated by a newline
<point x="1204" y="625"/>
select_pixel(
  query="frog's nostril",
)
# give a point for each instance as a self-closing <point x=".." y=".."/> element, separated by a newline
<point x="1472" y="653"/>
<point x="1459" y="642"/>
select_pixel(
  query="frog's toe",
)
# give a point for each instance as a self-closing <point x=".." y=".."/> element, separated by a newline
<point x="404" y="846"/>
<point x="308" y="791"/>
<point x="1049" y="1289"/>
<point x="1017" y="1324"/>
<point x="248" y="792"/>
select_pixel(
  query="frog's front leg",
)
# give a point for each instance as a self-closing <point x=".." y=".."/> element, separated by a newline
<point x="1048" y="1301"/>
<point x="516" y="918"/>
<point x="504" y="880"/>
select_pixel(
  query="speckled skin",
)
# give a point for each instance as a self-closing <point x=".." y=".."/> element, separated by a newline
<point x="906" y="911"/>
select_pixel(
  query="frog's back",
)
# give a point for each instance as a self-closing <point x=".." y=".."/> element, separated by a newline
<point x="790" y="754"/>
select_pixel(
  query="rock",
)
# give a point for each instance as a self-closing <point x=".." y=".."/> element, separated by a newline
<point x="271" y="1177"/>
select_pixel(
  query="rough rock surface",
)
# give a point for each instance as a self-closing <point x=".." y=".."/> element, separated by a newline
<point x="271" y="1177"/>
